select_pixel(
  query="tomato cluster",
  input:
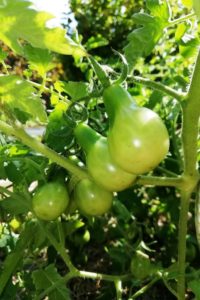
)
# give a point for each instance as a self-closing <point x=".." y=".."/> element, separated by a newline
<point x="137" y="142"/>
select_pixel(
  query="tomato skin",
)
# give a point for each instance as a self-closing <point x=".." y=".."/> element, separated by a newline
<point x="138" y="139"/>
<point x="91" y="199"/>
<point x="141" y="266"/>
<point x="104" y="171"/>
<point x="99" y="161"/>
<point x="50" y="201"/>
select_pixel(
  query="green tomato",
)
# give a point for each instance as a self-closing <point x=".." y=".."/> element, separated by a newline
<point x="138" y="139"/>
<point x="99" y="162"/>
<point x="141" y="266"/>
<point x="50" y="201"/>
<point x="104" y="171"/>
<point x="91" y="199"/>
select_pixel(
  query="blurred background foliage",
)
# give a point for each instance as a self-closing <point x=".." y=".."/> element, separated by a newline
<point x="144" y="218"/>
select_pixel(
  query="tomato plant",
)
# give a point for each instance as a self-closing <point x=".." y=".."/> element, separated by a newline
<point x="50" y="201"/>
<point x="122" y="186"/>
<point x="91" y="199"/>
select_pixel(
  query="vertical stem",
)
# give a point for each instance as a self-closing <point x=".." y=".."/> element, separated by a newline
<point x="118" y="286"/>
<point x="185" y="197"/>
<point x="191" y="114"/>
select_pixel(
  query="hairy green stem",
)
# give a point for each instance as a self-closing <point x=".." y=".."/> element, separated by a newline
<point x="158" y="86"/>
<point x="92" y="275"/>
<point x="59" y="247"/>
<point x="182" y="19"/>
<point x="144" y="288"/>
<point x="185" y="198"/>
<point x="169" y="287"/>
<point x="34" y="144"/>
<point x="159" y="181"/>
<point x="191" y="114"/>
<point x="119" y="290"/>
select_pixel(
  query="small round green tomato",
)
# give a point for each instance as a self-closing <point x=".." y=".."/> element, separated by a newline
<point x="91" y="199"/>
<point x="103" y="169"/>
<point x="50" y="201"/>
<point x="141" y="266"/>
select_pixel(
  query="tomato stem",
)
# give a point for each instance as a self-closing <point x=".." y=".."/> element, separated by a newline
<point x="158" y="86"/>
<point x="59" y="247"/>
<point x="19" y="133"/>
<point x="144" y="288"/>
<point x="119" y="290"/>
<point x="160" y="181"/>
<point x="191" y="113"/>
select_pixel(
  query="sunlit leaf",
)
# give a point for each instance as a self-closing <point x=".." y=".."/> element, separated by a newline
<point x="19" y="95"/>
<point x="39" y="60"/>
<point x="143" y="39"/>
<point x="19" y="22"/>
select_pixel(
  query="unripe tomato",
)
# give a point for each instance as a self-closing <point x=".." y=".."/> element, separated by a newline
<point x="50" y="201"/>
<point x="91" y="199"/>
<point x="141" y="266"/>
<point x="138" y="139"/>
<point x="99" y="162"/>
<point x="103" y="169"/>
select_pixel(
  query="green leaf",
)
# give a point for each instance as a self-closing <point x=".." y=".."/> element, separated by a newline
<point x="19" y="95"/>
<point x="188" y="45"/>
<point x="44" y="279"/>
<point x="15" y="205"/>
<point x="180" y="31"/>
<point x="122" y="212"/>
<point x="96" y="42"/>
<point x="40" y="60"/>
<point x="142" y="40"/>
<point x="187" y="3"/>
<point x="195" y="287"/>
<point x="76" y="90"/>
<point x="13" y="259"/>
<point x="3" y="55"/>
<point x="160" y="9"/>
<point x="19" y="22"/>
<point x="58" y="129"/>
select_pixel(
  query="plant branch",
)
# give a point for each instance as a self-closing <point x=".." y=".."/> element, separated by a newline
<point x="37" y="146"/>
<point x="160" y="181"/>
<point x="185" y="198"/>
<point x="158" y="86"/>
<point x="191" y="113"/>
<point x="182" y="19"/>
<point x="92" y="275"/>
<point x="59" y="248"/>
<point x="118" y="287"/>
<point x="144" y="288"/>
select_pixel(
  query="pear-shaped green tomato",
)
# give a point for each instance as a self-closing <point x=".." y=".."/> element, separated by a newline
<point x="103" y="169"/>
<point x="91" y="199"/>
<point x="50" y="201"/>
<point x="138" y="139"/>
